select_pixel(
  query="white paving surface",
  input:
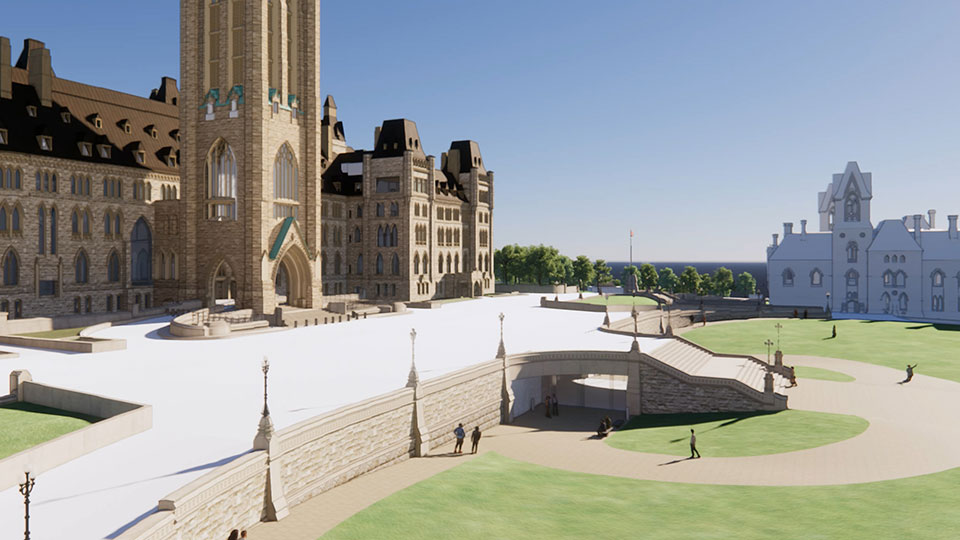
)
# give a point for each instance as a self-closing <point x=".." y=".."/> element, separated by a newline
<point x="207" y="395"/>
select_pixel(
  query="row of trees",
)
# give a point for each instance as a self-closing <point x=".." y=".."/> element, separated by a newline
<point x="545" y="264"/>
<point x="720" y="283"/>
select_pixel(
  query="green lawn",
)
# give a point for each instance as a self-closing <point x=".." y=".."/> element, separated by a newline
<point x="936" y="348"/>
<point x="56" y="334"/>
<point x="496" y="497"/>
<point x="735" y="434"/>
<point x="620" y="300"/>
<point x="23" y="425"/>
<point x="804" y="372"/>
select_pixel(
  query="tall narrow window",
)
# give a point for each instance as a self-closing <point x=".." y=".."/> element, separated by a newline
<point x="15" y="220"/>
<point x="141" y="253"/>
<point x="86" y="223"/>
<point x="360" y="264"/>
<point x="852" y="252"/>
<point x="236" y="41"/>
<point x="213" y="44"/>
<point x="53" y="231"/>
<point x="292" y="33"/>
<point x="113" y="268"/>
<point x="221" y="180"/>
<point x="285" y="184"/>
<point x="851" y="207"/>
<point x="273" y="48"/>
<point x="379" y="264"/>
<point x="11" y="269"/>
<point x="81" y="268"/>
<point x="41" y="230"/>
<point x="395" y="265"/>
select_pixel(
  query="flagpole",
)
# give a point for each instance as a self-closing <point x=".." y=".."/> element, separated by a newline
<point x="631" y="247"/>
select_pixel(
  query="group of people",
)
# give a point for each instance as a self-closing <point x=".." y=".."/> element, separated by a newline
<point x="605" y="426"/>
<point x="461" y="434"/>
<point x="237" y="534"/>
<point x="553" y="406"/>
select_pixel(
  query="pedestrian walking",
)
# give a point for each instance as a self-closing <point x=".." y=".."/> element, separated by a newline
<point x="693" y="445"/>
<point x="909" y="373"/>
<point x="243" y="535"/>
<point x="556" y="405"/>
<point x="234" y="535"/>
<point x="834" y="331"/>
<point x="546" y="401"/>
<point x="475" y="439"/>
<point x="458" y="448"/>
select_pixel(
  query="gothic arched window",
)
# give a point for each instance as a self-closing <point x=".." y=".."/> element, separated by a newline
<point x="851" y="207"/>
<point x="81" y="268"/>
<point x="285" y="184"/>
<point x="11" y="269"/>
<point x="852" y="252"/>
<point x="788" y="275"/>
<point x="221" y="182"/>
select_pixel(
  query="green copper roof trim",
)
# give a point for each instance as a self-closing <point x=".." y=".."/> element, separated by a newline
<point x="275" y="250"/>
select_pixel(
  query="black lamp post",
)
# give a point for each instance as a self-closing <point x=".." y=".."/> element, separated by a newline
<point x="26" y="488"/>
<point x="769" y="344"/>
<point x="828" y="302"/>
<point x="266" y="367"/>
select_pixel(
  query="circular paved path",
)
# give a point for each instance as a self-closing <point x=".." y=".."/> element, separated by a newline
<point x="912" y="432"/>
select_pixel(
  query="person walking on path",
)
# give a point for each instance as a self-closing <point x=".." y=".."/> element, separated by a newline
<point x="234" y="535"/>
<point x="556" y="405"/>
<point x="475" y="439"/>
<point x="243" y="535"/>
<point x="834" y="336"/>
<point x="693" y="445"/>
<point x="458" y="448"/>
<point x="909" y="373"/>
<point x="546" y="401"/>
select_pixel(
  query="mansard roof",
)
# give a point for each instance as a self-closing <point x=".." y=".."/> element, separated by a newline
<point x="337" y="179"/>
<point x="396" y="137"/>
<point x="84" y="103"/>
<point x="804" y="247"/>
<point x="463" y="156"/>
<point x="892" y="235"/>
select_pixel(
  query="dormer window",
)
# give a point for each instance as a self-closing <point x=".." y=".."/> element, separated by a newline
<point x="175" y="134"/>
<point x="66" y="117"/>
<point x="140" y="156"/>
<point x="31" y="111"/>
<point x="152" y="130"/>
<point x="172" y="161"/>
<point x="104" y="151"/>
<point x="45" y="142"/>
<point x="125" y="125"/>
<point x="3" y="136"/>
<point x="96" y="121"/>
<point x="86" y="149"/>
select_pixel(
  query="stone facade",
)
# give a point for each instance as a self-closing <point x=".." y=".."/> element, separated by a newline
<point x="260" y="152"/>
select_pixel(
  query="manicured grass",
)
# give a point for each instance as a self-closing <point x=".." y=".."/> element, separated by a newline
<point x="56" y="334"/>
<point x="804" y="372"/>
<point x="496" y="497"/>
<point x="23" y="425"/>
<point x="620" y="300"/>
<point x="936" y="348"/>
<point x="735" y="434"/>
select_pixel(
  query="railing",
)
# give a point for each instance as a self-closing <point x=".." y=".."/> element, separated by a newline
<point x="203" y="317"/>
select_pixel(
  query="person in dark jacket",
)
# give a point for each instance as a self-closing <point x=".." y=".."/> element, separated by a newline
<point x="475" y="439"/>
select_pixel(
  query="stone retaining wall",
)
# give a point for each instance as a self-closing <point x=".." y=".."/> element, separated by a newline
<point x="121" y="419"/>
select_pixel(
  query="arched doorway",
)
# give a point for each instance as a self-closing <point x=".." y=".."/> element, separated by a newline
<point x="291" y="279"/>
<point x="141" y="253"/>
<point x="477" y="290"/>
<point x="224" y="285"/>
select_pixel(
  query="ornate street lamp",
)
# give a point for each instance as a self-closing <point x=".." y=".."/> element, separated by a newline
<point x="501" y="350"/>
<point x="778" y="326"/>
<point x="769" y="344"/>
<point x="265" y="428"/>
<point x="413" y="378"/>
<point x="828" y="303"/>
<point x="265" y="365"/>
<point x="26" y="488"/>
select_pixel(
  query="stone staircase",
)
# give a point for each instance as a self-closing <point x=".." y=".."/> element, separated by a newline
<point x="697" y="361"/>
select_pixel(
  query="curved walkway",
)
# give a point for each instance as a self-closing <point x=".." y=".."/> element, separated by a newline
<point x="911" y="433"/>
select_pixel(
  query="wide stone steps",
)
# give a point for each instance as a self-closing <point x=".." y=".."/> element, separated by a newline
<point x="695" y="361"/>
<point x="683" y="356"/>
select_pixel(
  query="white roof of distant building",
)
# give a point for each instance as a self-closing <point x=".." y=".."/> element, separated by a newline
<point x="812" y="246"/>
<point x="937" y="245"/>
<point x="892" y="235"/>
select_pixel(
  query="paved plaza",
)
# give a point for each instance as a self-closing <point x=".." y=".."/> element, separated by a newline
<point x="207" y="394"/>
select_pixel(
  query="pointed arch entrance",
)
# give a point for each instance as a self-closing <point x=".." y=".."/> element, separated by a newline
<point x="291" y="279"/>
<point x="223" y="285"/>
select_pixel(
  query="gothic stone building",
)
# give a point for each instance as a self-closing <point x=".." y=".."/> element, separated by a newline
<point x="900" y="268"/>
<point x="239" y="186"/>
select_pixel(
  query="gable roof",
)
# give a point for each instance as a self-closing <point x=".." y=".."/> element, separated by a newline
<point x="809" y="247"/>
<point x="891" y="235"/>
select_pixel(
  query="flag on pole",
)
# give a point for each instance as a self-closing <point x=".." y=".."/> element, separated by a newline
<point x="631" y="233"/>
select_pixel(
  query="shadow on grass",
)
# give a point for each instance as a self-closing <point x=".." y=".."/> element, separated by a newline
<point x="645" y="421"/>
<point x="40" y="409"/>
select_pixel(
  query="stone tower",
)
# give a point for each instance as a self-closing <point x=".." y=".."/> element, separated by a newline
<point x="250" y="122"/>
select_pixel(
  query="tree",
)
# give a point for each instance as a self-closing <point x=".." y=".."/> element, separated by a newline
<point x="602" y="273"/>
<point x="706" y="285"/>
<point x="668" y="280"/>
<point x="565" y="271"/>
<point x="627" y="272"/>
<point x="543" y="263"/>
<point x="689" y="280"/>
<point x="746" y="284"/>
<point x="517" y="265"/>
<point x="722" y="281"/>
<point x="583" y="271"/>
<point x="648" y="276"/>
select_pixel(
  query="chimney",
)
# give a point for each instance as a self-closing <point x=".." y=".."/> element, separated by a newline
<point x="6" y="73"/>
<point x="952" y="229"/>
<point x="917" y="222"/>
<point x="376" y="137"/>
<point x="787" y="230"/>
<point x="931" y="217"/>
<point x="167" y="93"/>
<point x="803" y="228"/>
<point x="39" y="71"/>
<point x="776" y="238"/>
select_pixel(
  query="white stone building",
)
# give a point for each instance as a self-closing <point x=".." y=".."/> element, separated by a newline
<point x="899" y="268"/>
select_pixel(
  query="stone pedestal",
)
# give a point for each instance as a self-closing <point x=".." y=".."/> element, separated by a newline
<point x="778" y="358"/>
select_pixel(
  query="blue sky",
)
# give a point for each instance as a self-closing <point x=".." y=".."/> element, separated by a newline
<point x="702" y="125"/>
